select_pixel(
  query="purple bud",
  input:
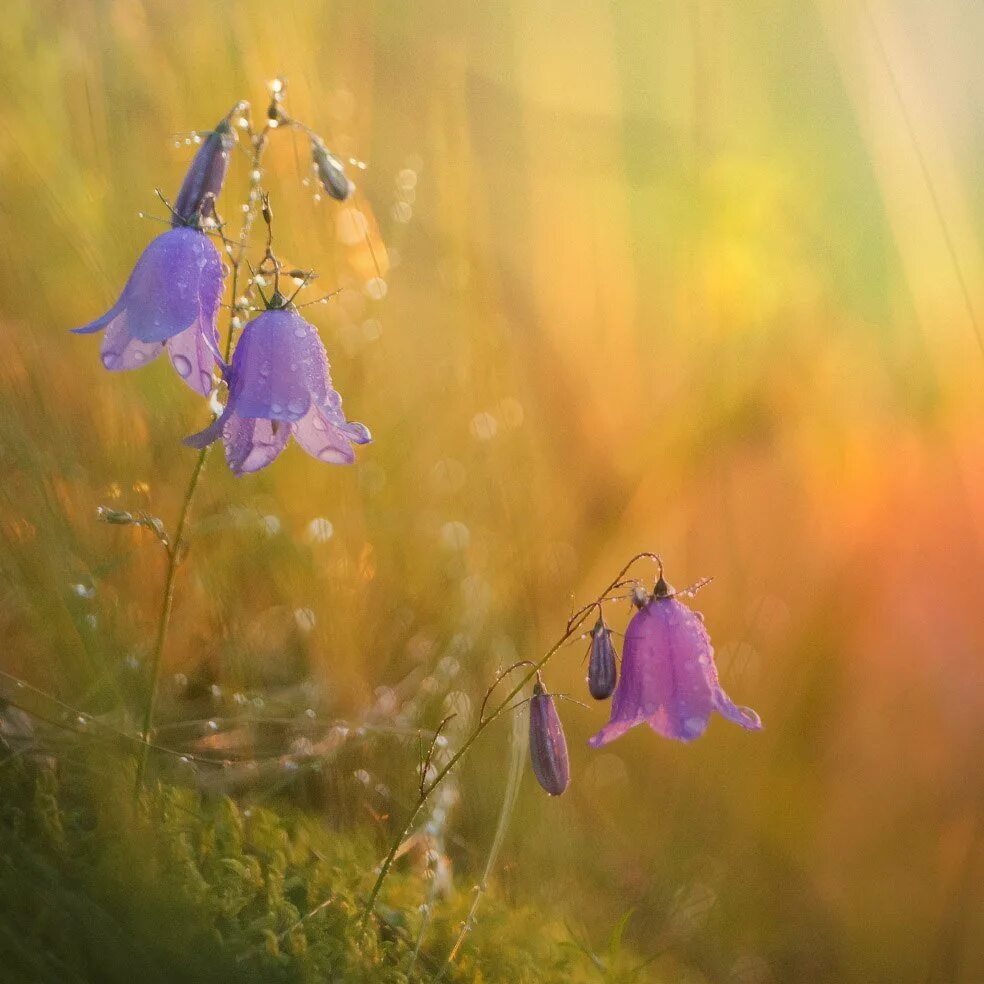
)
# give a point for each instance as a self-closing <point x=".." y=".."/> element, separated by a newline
<point x="331" y="172"/>
<point x="203" y="182"/>
<point x="601" y="665"/>
<point x="548" y="746"/>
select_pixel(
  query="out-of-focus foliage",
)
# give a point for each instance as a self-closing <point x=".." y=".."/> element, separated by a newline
<point x="186" y="889"/>
<point x="692" y="276"/>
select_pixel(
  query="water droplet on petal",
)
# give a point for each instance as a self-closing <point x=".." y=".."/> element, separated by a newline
<point x="296" y="407"/>
<point x="319" y="424"/>
<point x="183" y="366"/>
<point x="110" y="359"/>
<point x="300" y="331"/>
<point x="276" y="408"/>
<point x="333" y="456"/>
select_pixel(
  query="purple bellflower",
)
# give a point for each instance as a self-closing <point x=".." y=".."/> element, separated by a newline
<point x="668" y="676"/>
<point x="280" y="384"/>
<point x="548" y="746"/>
<point x="171" y="300"/>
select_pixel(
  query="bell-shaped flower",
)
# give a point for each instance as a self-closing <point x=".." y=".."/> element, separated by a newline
<point x="171" y="300"/>
<point x="280" y="384"/>
<point x="203" y="180"/>
<point x="668" y="677"/>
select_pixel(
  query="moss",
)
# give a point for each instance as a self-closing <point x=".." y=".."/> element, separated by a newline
<point x="95" y="888"/>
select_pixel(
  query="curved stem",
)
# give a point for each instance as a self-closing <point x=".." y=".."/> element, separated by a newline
<point x="573" y="625"/>
<point x="173" y="559"/>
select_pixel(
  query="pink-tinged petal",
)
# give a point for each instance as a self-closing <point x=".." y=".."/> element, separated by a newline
<point x="99" y="323"/>
<point x="120" y="350"/>
<point x="251" y="443"/>
<point x="744" y="716"/>
<point x="323" y="439"/>
<point x="282" y="369"/>
<point x="163" y="295"/>
<point x="192" y="358"/>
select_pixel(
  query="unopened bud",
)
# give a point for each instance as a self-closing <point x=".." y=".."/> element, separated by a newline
<point x="331" y="172"/>
<point x="602" y="671"/>
<point x="548" y="746"/>
<point x="203" y="181"/>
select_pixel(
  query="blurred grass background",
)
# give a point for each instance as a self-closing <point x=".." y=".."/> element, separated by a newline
<point x="695" y="277"/>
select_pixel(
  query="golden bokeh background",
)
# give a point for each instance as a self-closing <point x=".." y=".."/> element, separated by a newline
<point x="694" y="277"/>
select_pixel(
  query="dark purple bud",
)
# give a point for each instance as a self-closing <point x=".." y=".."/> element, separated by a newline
<point x="601" y="665"/>
<point x="203" y="182"/>
<point x="548" y="746"/>
<point x="331" y="172"/>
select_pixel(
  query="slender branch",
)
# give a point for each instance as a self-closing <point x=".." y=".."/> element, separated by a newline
<point x="573" y="625"/>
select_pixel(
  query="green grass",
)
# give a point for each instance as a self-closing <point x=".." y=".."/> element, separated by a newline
<point x="188" y="888"/>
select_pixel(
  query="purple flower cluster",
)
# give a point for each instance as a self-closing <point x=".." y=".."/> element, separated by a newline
<point x="668" y="681"/>
<point x="279" y="381"/>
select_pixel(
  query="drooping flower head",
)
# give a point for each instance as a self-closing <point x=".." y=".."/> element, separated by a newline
<point x="203" y="180"/>
<point x="669" y="680"/>
<point x="548" y="746"/>
<point x="171" y="300"/>
<point x="280" y="384"/>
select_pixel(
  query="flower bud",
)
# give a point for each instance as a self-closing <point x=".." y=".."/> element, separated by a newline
<point x="602" y="672"/>
<point x="331" y="172"/>
<point x="548" y="746"/>
<point x="203" y="182"/>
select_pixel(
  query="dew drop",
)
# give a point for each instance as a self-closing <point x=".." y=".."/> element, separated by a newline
<point x="276" y="408"/>
<point x="183" y="366"/>
<point x="110" y="360"/>
<point x="296" y="407"/>
<point x="319" y="424"/>
<point x="300" y="331"/>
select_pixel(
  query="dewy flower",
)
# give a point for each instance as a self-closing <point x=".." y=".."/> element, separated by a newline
<point x="280" y="384"/>
<point x="668" y="676"/>
<point x="171" y="300"/>
<point x="548" y="746"/>
<point x="203" y="182"/>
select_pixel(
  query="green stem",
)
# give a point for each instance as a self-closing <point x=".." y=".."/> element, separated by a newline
<point x="572" y="627"/>
<point x="173" y="559"/>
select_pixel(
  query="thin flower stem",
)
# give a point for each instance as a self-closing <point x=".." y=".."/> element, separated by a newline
<point x="167" y="603"/>
<point x="573" y="625"/>
<point x="174" y="554"/>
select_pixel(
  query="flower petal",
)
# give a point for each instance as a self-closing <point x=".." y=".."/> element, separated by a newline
<point x="120" y="350"/>
<point x="192" y="358"/>
<point x="281" y="367"/>
<point x="99" y="323"/>
<point x="323" y="438"/>
<point x="251" y="443"/>
<point x="211" y="433"/>
<point x="163" y="294"/>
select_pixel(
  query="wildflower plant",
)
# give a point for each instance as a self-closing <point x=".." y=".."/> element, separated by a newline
<point x="269" y="380"/>
<point x="273" y="368"/>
